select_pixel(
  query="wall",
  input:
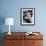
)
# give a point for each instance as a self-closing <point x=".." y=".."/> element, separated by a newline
<point x="11" y="8"/>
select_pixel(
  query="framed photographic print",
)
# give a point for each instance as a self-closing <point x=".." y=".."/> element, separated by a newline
<point x="27" y="16"/>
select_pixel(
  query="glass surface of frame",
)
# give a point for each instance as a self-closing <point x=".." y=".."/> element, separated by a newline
<point x="27" y="16"/>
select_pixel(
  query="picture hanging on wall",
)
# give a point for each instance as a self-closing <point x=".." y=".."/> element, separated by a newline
<point x="27" y="16"/>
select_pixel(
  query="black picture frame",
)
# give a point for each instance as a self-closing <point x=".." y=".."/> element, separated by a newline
<point x="27" y="16"/>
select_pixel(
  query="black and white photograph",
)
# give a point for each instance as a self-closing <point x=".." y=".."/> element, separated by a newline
<point x="27" y="16"/>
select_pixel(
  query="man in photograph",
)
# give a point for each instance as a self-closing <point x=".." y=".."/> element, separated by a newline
<point x="27" y="16"/>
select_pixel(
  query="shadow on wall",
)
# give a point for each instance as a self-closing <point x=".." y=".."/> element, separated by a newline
<point x="2" y="21"/>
